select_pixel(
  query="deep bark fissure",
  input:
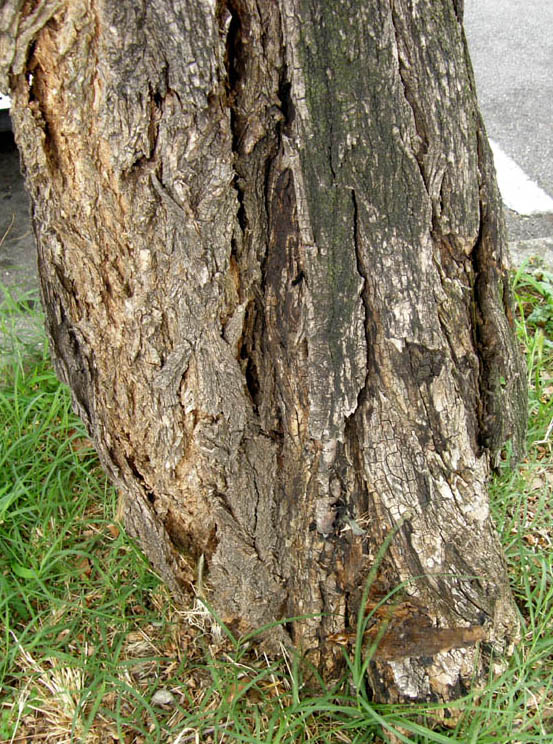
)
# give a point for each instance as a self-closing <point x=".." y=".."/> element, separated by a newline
<point x="234" y="67"/>
<point x="480" y="406"/>
<point x="141" y="480"/>
<point x="501" y="371"/>
<point x="421" y="138"/>
<point x="285" y="96"/>
<point x="360" y="501"/>
<point x="459" y="6"/>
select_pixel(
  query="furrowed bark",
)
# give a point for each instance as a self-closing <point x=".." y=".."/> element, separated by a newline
<point x="272" y="258"/>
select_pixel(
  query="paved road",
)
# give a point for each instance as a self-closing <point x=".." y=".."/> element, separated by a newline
<point x="511" y="45"/>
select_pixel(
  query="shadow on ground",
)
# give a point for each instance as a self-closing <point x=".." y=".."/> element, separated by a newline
<point x="18" y="270"/>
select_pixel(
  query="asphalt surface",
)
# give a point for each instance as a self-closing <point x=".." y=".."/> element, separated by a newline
<point x="511" y="47"/>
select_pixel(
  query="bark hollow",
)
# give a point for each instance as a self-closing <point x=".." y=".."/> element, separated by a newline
<point x="272" y="257"/>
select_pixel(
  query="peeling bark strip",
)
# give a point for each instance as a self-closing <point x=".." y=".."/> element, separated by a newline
<point x="272" y="258"/>
<point x="414" y="641"/>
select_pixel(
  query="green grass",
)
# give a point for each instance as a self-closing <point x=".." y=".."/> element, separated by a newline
<point x="91" y="645"/>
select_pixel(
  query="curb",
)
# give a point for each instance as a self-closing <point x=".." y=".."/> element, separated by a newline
<point x="540" y="248"/>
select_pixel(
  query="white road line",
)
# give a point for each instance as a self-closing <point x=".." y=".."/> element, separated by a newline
<point x="519" y="192"/>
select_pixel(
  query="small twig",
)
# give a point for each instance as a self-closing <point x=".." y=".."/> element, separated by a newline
<point x="547" y="434"/>
<point x="22" y="236"/>
<point x="4" y="236"/>
<point x="192" y="736"/>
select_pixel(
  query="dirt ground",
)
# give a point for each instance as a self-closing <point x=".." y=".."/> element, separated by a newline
<point x="18" y="269"/>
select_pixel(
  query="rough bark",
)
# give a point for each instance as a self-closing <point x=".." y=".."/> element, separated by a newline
<point x="272" y="256"/>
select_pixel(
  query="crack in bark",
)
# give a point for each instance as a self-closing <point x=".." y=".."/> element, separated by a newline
<point x="286" y="103"/>
<point x="29" y="26"/>
<point x="475" y="315"/>
<point x="140" y="479"/>
<point x="420" y="131"/>
<point x="234" y="71"/>
<point x="364" y="295"/>
<point x="459" y="7"/>
<point x="501" y="366"/>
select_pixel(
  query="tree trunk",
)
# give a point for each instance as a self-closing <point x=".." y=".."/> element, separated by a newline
<point x="272" y="254"/>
